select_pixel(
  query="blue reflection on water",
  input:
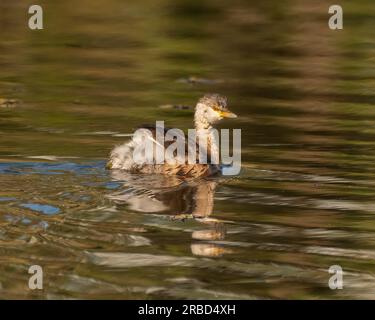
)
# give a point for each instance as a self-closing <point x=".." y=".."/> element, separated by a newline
<point x="94" y="167"/>
<point x="112" y="185"/>
<point x="43" y="208"/>
<point x="7" y="199"/>
<point x="20" y="168"/>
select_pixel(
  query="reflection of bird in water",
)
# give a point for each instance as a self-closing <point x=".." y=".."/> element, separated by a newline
<point x="190" y="198"/>
<point x="209" y="110"/>
<point x="165" y="194"/>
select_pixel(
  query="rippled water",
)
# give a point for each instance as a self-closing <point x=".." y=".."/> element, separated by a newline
<point x="304" y="199"/>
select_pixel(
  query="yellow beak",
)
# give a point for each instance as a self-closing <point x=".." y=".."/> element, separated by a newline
<point x="227" y="114"/>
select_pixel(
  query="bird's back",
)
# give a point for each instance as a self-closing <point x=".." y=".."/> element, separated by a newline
<point x="122" y="158"/>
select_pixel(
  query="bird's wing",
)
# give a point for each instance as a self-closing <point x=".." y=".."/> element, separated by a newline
<point x="152" y="129"/>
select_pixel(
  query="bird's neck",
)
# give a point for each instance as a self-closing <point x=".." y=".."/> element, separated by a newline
<point x="205" y="131"/>
<point x="202" y="126"/>
<point x="201" y="123"/>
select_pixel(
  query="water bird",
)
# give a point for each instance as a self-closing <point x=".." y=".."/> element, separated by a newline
<point x="209" y="109"/>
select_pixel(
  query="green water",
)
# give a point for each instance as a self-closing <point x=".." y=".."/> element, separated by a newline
<point x="304" y="199"/>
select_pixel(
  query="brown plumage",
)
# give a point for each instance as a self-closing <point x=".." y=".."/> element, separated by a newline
<point x="184" y="169"/>
<point x="210" y="109"/>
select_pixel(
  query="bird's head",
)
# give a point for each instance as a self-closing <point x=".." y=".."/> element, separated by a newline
<point x="210" y="109"/>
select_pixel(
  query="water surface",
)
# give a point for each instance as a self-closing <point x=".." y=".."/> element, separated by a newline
<point x="304" y="199"/>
